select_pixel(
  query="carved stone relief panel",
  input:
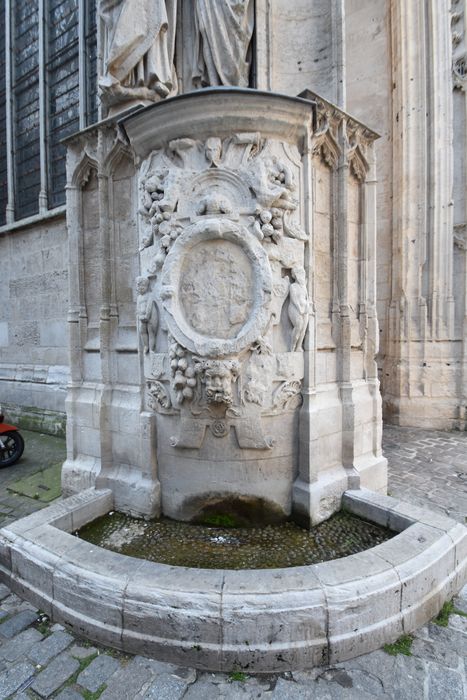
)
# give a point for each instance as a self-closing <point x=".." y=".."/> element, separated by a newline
<point x="223" y="291"/>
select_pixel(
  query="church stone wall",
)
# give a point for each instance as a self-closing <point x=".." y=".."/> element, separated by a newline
<point x="368" y="94"/>
<point x="33" y="334"/>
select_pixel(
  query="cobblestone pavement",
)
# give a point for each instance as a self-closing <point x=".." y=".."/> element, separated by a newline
<point x="39" y="659"/>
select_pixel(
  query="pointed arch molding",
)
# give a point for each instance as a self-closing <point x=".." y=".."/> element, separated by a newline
<point x="326" y="147"/>
<point x="358" y="163"/>
<point x="83" y="171"/>
<point x="116" y="155"/>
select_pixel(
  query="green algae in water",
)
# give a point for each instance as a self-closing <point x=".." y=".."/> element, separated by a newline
<point x="207" y="547"/>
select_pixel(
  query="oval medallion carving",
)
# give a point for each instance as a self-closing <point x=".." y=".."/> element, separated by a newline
<point x="216" y="289"/>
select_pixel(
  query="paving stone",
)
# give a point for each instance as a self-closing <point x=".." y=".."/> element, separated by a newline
<point x="98" y="672"/>
<point x="361" y="682"/>
<point x="57" y="628"/>
<point x="444" y="684"/>
<point x="13" y="678"/>
<point x="438" y="652"/>
<point x="167" y="687"/>
<point x="290" y="690"/>
<point x="131" y="678"/>
<point x="200" y="690"/>
<point x="70" y="694"/>
<point x="13" y="604"/>
<point x="82" y="652"/>
<point x="55" y="675"/>
<point x="50" y="647"/>
<point x="17" y="623"/>
<point x="401" y="676"/>
<point x="4" y="591"/>
<point x="458" y="623"/>
<point x="20" y="645"/>
<point x="449" y="636"/>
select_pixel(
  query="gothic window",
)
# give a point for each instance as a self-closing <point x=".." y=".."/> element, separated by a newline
<point x="47" y="91"/>
<point x="3" y="165"/>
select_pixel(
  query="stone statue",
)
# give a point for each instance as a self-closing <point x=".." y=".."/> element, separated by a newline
<point x="148" y="317"/>
<point x="139" y="49"/>
<point x="223" y="32"/>
<point x="298" y="307"/>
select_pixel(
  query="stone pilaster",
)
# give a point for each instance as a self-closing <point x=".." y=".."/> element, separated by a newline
<point x="420" y="371"/>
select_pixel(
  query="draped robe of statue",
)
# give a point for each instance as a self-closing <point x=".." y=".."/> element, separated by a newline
<point x="223" y="33"/>
<point x="139" y="49"/>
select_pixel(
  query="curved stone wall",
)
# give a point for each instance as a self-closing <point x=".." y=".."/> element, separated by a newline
<point x="260" y="621"/>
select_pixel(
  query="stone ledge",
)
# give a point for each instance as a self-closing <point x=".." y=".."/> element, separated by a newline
<point x="280" y="620"/>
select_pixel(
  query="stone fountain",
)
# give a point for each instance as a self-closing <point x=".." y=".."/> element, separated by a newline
<point x="223" y="335"/>
<point x="247" y="229"/>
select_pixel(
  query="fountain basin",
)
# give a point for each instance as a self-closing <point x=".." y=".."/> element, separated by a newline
<point x="258" y="620"/>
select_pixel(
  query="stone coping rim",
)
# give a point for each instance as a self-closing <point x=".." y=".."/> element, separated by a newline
<point x="361" y="502"/>
<point x="220" y="90"/>
<point x="292" y="618"/>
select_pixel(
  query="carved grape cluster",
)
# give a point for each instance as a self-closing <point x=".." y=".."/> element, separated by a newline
<point x="270" y="224"/>
<point x="183" y="373"/>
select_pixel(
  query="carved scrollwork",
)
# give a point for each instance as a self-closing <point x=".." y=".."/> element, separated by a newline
<point x="288" y="396"/>
<point x="158" y="397"/>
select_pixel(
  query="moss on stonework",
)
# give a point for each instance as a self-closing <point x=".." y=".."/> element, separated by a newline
<point x="442" y="619"/>
<point x="402" y="646"/>
<point x="38" y="420"/>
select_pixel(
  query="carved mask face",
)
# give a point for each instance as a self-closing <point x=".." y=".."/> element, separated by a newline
<point x="218" y="385"/>
<point x="213" y="150"/>
<point x="142" y="285"/>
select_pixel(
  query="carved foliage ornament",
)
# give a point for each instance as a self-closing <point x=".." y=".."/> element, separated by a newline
<point x="356" y="157"/>
<point x="324" y="143"/>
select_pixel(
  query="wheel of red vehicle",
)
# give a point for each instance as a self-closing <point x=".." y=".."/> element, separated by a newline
<point x="11" y="447"/>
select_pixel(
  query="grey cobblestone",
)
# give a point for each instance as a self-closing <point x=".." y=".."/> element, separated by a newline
<point x="70" y="694"/>
<point x="131" y="679"/>
<point x="51" y="646"/>
<point x="13" y="678"/>
<point x="82" y="652"/>
<point x="20" y="645"/>
<point x="166" y="687"/>
<point x="55" y="675"/>
<point x="17" y="623"/>
<point x="98" y="672"/>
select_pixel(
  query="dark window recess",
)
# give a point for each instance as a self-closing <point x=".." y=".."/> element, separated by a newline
<point x="90" y="48"/>
<point x="26" y="107"/>
<point x="3" y="155"/>
<point x="63" y="91"/>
